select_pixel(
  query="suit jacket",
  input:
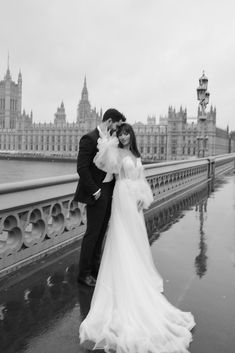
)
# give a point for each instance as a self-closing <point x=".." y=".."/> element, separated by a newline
<point x="90" y="177"/>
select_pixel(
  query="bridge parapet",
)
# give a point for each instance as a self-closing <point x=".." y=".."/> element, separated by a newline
<point x="39" y="216"/>
<point x="223" y="164"/>
<point x="169" y="178"/>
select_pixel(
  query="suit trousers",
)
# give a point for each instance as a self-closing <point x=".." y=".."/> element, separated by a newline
<point x="98" y="216"/>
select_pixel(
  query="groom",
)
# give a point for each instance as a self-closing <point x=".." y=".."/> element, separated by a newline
<point x="95" y="189"/>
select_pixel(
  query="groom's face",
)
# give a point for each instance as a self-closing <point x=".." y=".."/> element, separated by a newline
<point x="115" y="124"/>
<point x="112" y="125"/>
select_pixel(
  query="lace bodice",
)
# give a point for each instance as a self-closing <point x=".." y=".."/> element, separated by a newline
<point x="130" y="166"/>
<point x="125" y="166"/>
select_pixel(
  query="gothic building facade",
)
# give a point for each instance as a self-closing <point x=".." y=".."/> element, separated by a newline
<point x="19" y="134"/>
<point x="178" y="137"/>
<point x="175" y="137"/>
<point x="10" y="101"/>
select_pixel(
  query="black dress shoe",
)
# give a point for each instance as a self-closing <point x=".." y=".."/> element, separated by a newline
<point x="88" y="281"/>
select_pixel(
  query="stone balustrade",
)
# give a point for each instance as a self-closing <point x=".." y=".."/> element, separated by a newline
<point x="166" y="179"/>
<point x="223" y="164"/>
<point x="39" y="216"/>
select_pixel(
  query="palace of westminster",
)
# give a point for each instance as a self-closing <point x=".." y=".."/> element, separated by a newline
<point x="175" y="137"/>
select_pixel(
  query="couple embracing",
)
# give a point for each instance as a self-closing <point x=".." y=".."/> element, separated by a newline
<point x="128" y="312"/>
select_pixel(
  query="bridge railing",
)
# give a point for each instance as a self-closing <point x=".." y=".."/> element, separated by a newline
<point x="39" y="216"/>
<point x="223" y="163"/>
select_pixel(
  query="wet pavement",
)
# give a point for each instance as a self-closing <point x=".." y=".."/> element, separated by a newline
<point x="193" y="244"/>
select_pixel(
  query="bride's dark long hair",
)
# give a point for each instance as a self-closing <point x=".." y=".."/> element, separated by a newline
<point x="127" y="128"/>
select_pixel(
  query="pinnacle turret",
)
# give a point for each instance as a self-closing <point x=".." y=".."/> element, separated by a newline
<point x="85" y="91"/>
<point x="20" y="77"/>
<point x="8" y="74"/>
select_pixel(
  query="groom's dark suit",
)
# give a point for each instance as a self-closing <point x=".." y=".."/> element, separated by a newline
<point x="98" y="211"/>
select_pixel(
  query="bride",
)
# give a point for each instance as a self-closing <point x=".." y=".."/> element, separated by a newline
<point x="129" y="313"/>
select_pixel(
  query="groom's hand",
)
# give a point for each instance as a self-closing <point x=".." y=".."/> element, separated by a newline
<point x="97" y="194"/>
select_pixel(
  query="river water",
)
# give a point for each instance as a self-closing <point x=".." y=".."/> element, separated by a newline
<point x="19" y="170"/>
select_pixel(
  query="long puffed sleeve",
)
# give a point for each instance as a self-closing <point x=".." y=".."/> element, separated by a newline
<point x="144" y="192"/>
<point x="107" y="157"/>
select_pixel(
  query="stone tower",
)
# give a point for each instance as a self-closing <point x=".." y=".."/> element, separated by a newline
<point x="87" y="118"/>
<point x="84" y="107"/>
<point x="10" y="100"/>
<point x="60" y="116"/>
<point x="177" y="122"/>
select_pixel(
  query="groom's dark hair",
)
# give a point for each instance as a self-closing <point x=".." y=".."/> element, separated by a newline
<point x="113" y="114"/>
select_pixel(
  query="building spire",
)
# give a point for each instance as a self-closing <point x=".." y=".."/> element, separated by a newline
<point x="8" y="75"/>
<point x="20" y="77"/>
<point x="85" y="91"/>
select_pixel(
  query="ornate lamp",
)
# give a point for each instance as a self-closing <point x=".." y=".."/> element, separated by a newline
<point x="207" y="96"/>
<point x="202" y="94"/>
<point x="203" y="81"/>
<point x="203" y="97"/>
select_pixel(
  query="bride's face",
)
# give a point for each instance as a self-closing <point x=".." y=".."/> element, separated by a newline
<point x="124" y="138"/>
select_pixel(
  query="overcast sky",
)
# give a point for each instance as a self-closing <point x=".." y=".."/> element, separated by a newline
<point x="139" y="56"/>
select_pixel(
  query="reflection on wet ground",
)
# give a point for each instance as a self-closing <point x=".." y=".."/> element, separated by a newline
<point x="193" y="245"/>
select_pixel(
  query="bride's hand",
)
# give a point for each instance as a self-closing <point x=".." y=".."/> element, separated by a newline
<point x="140" y="205"/>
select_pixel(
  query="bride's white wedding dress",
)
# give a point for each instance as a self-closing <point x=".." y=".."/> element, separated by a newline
<point x="128" y="313"/>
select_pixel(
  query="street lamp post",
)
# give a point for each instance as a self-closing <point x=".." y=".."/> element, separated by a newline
<point x="203" y="97"/>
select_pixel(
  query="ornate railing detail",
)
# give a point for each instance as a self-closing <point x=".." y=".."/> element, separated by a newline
<point x="27" y="233"/>
<point x="38" y="217"/>
<point x="181" y="176"/>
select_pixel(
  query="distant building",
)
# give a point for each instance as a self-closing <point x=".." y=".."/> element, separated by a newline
<point x="190" y="137"/>
<point x="18" y="133"/>
<point x="87" y="118"/>
<point x="175" y="137"/>
<point x="151" y="140"/>
<point x="10" y="101"/>
<point x="178" y="136"/>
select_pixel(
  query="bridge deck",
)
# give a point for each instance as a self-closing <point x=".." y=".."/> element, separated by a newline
<point x="193" y="244"/>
